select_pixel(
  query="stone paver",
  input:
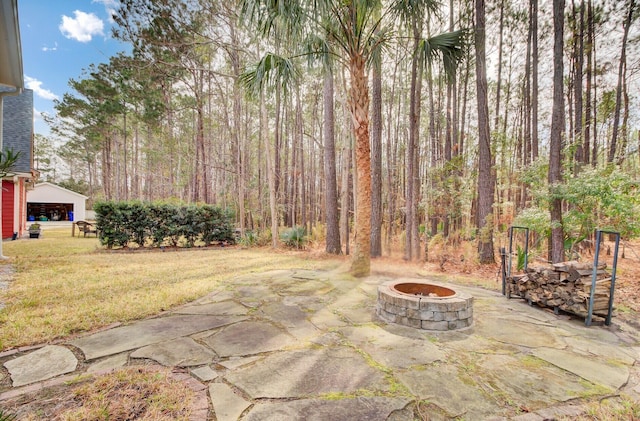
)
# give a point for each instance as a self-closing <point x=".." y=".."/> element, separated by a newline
<point x="248" y="338"/>
<point x="451" y="389"/>
<point x="527" y="382"/>
<point x="235" y="362"/>
<point x="227" y="405"/>
<point x="223" y="308"/>
<point x="181" y="352"/>
<point x="205" y="373"/>
<point x="598" y="372"/>
<point x="391" y="350"/>
<point x="513" y="332"/>
<point x="300" y="344"/>
<point x="371" y="409"/>
<point x="305" y="373"/>
<point x="109" y="363"/>
<point x="147" y="332"/>
<point x="43" y="364"/>
<point x="625" y="356"/>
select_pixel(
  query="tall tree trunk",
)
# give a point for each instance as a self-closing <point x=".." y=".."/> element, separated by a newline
<point x="201" y="175"/>
<point x="485" y="178"/>
<point x="359" y="107"/>
<point x="271" y="176"/>
<point x="527" y="147"/>
<point x="453" y="133"/>
<point x="412" y="245"/>
<point x="577" y="91"/>
<point x="433" y="142"/>
<point x="594" y="106"/>
<point x="376" y="160"/>
<point x="345" y="203"/>
<point x="624" y="138"/>
<point x="557" y="129"/>
<point x="238" y="137"/>
<point x="277" y="143"/>
<point x="391" y="155"/>
<point x="534" y="79"/>
<point x="125" y="175"/>
<point x="331" y="189"/>
<point x="621" y="68"/>
<point x="496" y="121"/>
<point x="586" y="148"/>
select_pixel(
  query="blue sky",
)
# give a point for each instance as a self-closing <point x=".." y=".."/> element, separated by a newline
<point x="60" y="38"/>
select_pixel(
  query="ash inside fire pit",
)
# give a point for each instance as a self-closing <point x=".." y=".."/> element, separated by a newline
<point x="424" y="306"/>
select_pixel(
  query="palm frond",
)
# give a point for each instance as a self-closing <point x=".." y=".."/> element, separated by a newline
<point x="274" y="17"/>
<point x="271" y="71"/>
<point x="407" y="10"/>
<point x="448" y="46"/>
<point x="317" y="49"/>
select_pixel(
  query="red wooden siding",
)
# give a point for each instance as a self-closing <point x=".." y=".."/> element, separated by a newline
<point x="7" y="209"/>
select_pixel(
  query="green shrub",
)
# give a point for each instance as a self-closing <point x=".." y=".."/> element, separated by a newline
<point x="295" y="237"/>
<point x="215" y="226"/>
<point x="249" y="239"/>
<point x="604" y="198"/>
<point x="157" y="224"/>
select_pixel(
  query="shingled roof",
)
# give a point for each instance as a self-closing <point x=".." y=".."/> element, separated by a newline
<point x="17" y="131"/>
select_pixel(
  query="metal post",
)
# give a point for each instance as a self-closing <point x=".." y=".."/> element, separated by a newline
<point x="510" y="251"/>
<point x="613" y="279"/>
<point x="526" y="248"/>
<point x="594" y="277"/>
<point x="503" y="259"/>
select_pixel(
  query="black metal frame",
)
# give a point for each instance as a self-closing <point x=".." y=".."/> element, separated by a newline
<point x="506" y="269"/>
<point x="594" y="277"/>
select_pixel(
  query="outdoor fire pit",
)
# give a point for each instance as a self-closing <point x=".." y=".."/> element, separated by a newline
<point x="424" y="306"/>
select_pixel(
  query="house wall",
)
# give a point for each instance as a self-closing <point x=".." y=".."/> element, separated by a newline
<point x="8" y="190"/>
<point x="14" y="205"/>
<point x="20" y="214"/>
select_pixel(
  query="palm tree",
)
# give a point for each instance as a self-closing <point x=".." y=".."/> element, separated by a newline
<point x="352" y="31"/>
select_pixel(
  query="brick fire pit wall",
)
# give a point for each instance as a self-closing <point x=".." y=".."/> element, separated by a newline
<point x="424" y="305"/>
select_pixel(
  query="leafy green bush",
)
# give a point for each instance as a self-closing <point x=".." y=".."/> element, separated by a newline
<point x="157" y="224"/>
<point x="603" y="198"/>
<point x="295" y="237"/>
<point x="111" y="224"/>
<point x="214" y="226"/>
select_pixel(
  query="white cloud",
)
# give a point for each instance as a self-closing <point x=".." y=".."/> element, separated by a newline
<point x="54" y="48"/>
<point x="81" y="28"/>
<point x="37" y="88"/>
<point x="37" y="115"/>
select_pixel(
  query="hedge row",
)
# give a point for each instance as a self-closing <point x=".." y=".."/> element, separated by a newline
<point x="154" y="225"/>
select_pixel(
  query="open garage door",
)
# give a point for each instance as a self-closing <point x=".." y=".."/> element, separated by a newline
<point x="50" y="211"/>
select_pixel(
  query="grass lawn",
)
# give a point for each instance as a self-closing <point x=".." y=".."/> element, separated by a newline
<point x="64" y="285"/>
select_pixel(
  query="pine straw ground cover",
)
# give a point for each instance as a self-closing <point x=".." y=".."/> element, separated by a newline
<point x="133" y="393"/>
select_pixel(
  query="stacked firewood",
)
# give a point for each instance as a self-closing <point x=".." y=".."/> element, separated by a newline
<point x="565" y="286"/>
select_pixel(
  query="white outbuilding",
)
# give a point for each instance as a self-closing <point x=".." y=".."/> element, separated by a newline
<point x="48" y="202"/>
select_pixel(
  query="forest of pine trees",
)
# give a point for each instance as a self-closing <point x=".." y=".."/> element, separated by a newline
<point x="373" y="124"/>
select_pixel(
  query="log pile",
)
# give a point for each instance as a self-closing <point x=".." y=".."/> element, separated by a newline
<point x="565" y="286"/>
